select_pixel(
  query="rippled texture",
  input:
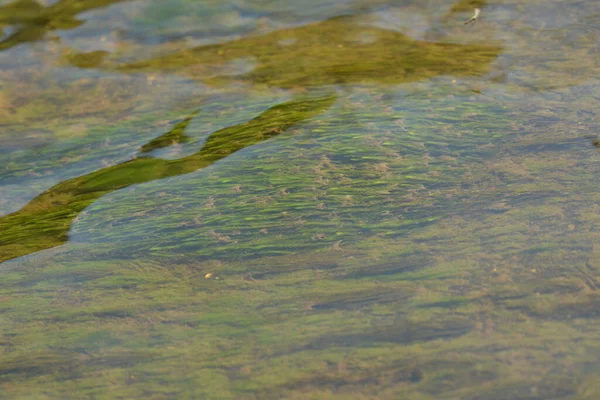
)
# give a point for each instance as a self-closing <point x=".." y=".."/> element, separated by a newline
<point x="342" y="199"/>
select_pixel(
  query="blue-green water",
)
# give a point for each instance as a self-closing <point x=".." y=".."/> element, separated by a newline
<point x="299" y="199"/>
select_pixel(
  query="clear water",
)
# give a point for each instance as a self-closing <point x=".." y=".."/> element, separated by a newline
<point x="333" y="199"/>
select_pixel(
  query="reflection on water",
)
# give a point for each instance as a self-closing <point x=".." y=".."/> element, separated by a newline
<point x="283" y="199"/>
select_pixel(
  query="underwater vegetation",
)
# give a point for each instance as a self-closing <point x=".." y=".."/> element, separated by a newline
<point x="174" y="136"/>
<point x="384" y="57"/>
<point x="335" y="51"/>
<point x="44" y="222"/>
<point x="357" y="224"/>
<point x="34" y="20"/>
<point x="338" y="178"/>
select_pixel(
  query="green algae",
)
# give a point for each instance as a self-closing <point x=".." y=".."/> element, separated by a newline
<point x="174" y="136"/>
<point x="312" y="191"/>
<point x="439" y="245"/>
<point x="34" y="20"/>
<point x="325" y="53"/>
<point x="91" y="59"/>
<point x="474" y="60"/>
<point x="62" y="149"/>
<point x="44" y="222"/>
<point x="449" y="310"/>
<point x="301" y="333"/>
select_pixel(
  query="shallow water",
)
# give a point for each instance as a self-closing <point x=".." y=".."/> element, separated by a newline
<point x="332" y="199"/>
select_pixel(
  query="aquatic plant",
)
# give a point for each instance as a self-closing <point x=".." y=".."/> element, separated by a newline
<point x="433" y="240"/>
<point x="33" y="20"/>
<point x="44" y="221"/>
<point x="335" y="51"/>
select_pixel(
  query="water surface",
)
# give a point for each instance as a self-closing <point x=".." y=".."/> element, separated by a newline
<point x="342" y="199"/>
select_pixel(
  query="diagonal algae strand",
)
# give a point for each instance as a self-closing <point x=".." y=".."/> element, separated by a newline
<point x="44" y="222"/>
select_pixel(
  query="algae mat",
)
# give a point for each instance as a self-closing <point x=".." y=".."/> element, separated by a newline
<point x="342" y="199"/>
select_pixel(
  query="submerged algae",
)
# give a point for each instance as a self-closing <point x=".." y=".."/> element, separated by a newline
<point x="44" y="222"/>
<point x="390" y="58"/>
<point x="498" y="300"/>
<point x="304" y="329"/>
<point x="34" y="21"/>
<point x="331" y="52"/>
<point x="174" y="136"/>
<point x="333" y="182"/>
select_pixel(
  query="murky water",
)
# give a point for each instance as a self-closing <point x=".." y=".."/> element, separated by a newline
<point x="341" y="199"/>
